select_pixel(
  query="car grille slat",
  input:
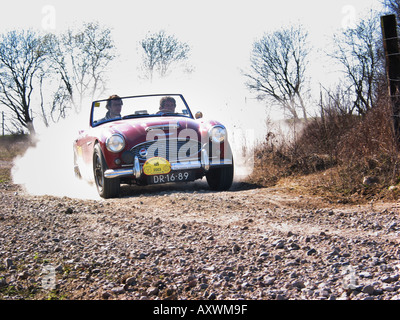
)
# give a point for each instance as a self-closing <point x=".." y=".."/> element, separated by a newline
<point x="171" y="149"/>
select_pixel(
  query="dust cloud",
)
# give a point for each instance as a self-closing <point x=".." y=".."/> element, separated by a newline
<point x="47" y="167"/>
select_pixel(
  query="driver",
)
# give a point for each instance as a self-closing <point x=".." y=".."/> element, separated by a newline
<point x="167" y="105"/>
<point x="114" y="106"/>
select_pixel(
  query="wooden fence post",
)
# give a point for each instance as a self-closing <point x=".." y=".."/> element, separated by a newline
<point x="392" y="54"/>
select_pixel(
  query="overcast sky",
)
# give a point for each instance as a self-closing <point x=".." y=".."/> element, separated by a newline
<point x="213" y="28"/>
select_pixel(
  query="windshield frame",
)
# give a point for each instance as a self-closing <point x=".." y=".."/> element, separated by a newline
<point x="189" y="115"/>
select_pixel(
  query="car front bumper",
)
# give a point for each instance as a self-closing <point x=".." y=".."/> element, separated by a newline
<point x="137" y="170"/>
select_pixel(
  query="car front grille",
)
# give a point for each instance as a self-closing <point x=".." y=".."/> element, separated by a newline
<point x="174" y="150"/>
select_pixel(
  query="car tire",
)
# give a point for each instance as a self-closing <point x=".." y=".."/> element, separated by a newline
<point x="220" y="179"/>
<point x="107" y="188"/>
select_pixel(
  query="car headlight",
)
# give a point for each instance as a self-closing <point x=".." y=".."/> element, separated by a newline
<point x="217" y="134"/>
<point x="115" y="143"/>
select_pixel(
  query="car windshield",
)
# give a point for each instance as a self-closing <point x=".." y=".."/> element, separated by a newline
<point x="138" y="107"/>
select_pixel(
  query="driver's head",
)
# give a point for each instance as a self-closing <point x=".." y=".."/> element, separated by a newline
<point x="114" y="105"/>
<point x="167" y="104"/>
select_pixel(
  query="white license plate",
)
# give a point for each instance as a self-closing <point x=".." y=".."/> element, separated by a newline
<point x="178" y="176"/>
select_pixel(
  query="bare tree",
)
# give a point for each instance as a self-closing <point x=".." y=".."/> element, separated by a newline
<point x="338" y="99"/>
<point x="278" y="69"/>
<point x="22" y="56"/>
<point x="393" y="6"/>
<point x="357" y="50"/>
<point x="81" y="59"/>
<point x="160" y="52"/>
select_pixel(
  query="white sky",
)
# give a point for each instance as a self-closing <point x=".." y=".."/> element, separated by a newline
<point x="219" y="32"/>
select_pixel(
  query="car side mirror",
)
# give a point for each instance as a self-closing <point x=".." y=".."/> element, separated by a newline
<point x="198" y="115"/>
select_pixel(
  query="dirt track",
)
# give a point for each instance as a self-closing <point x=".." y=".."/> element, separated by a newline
<point x="185" y="242"/>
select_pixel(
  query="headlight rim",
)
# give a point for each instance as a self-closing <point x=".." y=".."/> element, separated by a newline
<point x="212" y="136"/>
<point x="122" y="142"/>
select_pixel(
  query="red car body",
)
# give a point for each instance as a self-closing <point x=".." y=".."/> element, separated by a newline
<point x="143" y="147"/>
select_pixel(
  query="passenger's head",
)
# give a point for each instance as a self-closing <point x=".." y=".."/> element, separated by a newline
<point x="167" y="104"/>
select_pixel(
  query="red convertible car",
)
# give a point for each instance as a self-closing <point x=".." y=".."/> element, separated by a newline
<point x="151" y="139"/>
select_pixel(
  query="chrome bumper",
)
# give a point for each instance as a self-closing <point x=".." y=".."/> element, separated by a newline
<point x="137" y="170"/>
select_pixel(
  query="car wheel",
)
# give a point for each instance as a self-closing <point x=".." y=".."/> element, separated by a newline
<point x="107" y="188"/>
<point x="220" y="179"/>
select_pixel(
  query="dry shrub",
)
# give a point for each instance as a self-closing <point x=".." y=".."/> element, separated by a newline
<point x="304" y="148"/>
<point x="13" y="145"/>
<point x="351" y="147"/>
<point x="269" y="162"/>
<point x="369" y="149"/>
<point x="317" y="146"/>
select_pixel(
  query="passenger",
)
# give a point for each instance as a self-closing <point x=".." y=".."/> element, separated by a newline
<point x="167" y="105"/>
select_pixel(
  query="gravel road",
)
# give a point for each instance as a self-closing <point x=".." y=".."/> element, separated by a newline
<point x="186" y="242"/>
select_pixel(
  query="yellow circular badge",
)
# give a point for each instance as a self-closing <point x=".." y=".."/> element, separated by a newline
<point x="156" y="165"/>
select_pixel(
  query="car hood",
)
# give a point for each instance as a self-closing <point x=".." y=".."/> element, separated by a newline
<point x="140" y="130"/>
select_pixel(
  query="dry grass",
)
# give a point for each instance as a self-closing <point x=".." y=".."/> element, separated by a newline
<point x="11" y="147"/>
<point x="332" y="155"/>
